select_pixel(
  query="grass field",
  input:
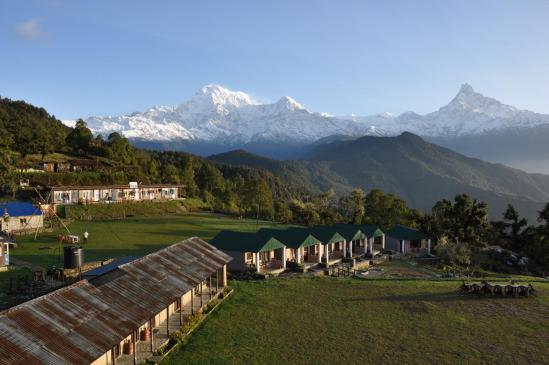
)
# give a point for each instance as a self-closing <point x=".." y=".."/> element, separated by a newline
<point x="350" y="321"/>
<point x="131" y="236"/>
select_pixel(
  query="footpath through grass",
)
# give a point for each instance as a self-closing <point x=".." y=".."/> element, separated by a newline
<point x="350" y="321"/>
<point x="131" y="236"/>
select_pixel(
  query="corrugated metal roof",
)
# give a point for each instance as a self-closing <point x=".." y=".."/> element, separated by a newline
<point x="19" y="209"/>
<point x="79" y="323"/>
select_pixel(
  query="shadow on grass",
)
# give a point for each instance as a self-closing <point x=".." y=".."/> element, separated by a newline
<point x="447" y="296"/>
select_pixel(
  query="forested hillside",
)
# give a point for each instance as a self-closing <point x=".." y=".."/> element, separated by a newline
<point x="417" y="171"/>
<point x="29" y="135"/>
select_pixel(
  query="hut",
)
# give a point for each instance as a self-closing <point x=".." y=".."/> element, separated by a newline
<point x="408" y="240"/>
<point x="20" y="217"/>
<point x="259" y="251"/>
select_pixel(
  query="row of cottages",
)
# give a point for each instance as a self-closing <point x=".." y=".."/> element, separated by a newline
<point x="270" y="250"/>
<point x="408" y="240"/>
<point x="112" y="193"/>
<point x="20" y="217"/>
<point x="118" y="317"/>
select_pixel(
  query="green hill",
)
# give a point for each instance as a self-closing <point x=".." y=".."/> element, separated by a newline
<point x="409" y="167"/>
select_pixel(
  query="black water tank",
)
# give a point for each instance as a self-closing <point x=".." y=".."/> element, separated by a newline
<point x="73" y="257"/>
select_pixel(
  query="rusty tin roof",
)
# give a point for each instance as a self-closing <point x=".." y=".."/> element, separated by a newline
<point x="79" y="323"/>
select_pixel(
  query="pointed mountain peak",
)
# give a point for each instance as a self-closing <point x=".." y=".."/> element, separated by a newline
<point x="466" y="89"/>
<point x="289" y="103"/>
<point x="469" y="101"/>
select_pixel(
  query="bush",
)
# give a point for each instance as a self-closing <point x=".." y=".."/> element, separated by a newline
<point x="211" y="305"/>
<point x="120" y="210"/>
<point x="294" y="266"/>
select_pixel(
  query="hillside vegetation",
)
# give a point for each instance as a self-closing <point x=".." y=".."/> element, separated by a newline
<point x="419" y="172"/>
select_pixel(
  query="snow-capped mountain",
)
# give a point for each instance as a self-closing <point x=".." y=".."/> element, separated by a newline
<point x="469" y="113"/>
<point x="217" y="119"/>
<point x="218" y="115"/>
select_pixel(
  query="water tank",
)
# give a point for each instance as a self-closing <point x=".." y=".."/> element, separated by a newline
<point x="73" y="257"/>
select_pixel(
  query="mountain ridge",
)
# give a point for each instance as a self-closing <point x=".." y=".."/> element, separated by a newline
<point x="406" y="165"/>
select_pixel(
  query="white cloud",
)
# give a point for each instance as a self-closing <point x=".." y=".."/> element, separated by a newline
<point x="31" y="29"/>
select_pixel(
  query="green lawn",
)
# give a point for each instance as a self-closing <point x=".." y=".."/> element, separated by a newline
<point x="132" y="236"/>
<point x="350" y="321"/>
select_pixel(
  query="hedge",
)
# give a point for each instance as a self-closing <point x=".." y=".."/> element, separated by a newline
<point x="120" y="210"/>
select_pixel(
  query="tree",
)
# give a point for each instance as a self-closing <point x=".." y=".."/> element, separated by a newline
<point x="513" y="229"/>
<point x="453" y="253"/>
<point x="283" y="213"/>
<point x="119" y="149"/>
<point x="170" y="174"/>
<point x="259" y="198"/>
<point x="464" y="220"/>
<point x="387" y="210"/>
<point x="80" y="137"/>
<point x="352" y="206"/>
<point x="209" y="178"/>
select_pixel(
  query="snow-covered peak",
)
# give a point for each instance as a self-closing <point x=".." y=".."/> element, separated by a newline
<point x="468" y="100"/>
<point x="466" y="89"/>
<point x="216" y="114"/>
<point x="220" y="95"/>
<point x="288" y="103"/>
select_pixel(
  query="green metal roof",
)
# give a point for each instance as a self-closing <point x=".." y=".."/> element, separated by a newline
<point x="406" y="233"/>
<point x="324" y="234"/>
<point x="371" y="230"/>
<point x="293" y="238"/>
<point x="245" y="241"/>
<point x="351" y="232"/>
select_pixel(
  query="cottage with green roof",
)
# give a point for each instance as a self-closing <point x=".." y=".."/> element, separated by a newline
<point x="259" y="251"/>
<point x="408" y="240"/>
<point x="361" y="239"/>
<point x="333" y="243"/>
<point x="301" y="246"/>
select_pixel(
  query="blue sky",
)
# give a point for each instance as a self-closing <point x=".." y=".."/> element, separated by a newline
<point x="81" y="58"/>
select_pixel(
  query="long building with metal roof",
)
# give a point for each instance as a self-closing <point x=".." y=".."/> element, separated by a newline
<point x="119" y="316"/>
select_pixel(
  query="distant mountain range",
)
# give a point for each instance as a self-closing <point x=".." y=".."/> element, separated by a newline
<point x="217" y="119"/>
<point x="418" y="171"/>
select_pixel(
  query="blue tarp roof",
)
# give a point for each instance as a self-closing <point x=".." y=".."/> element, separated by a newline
<point x="19" y="209"/>
<point x="114" y="264"/>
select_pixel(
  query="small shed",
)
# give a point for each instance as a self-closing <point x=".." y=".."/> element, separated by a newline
<point x="408" y="240"/>
<point x="20" y="217"/>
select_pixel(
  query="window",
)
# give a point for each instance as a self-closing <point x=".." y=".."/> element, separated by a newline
<point x="23" y="220"/>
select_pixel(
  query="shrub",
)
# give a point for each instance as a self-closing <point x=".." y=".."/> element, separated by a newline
<point x="120" y="210"/>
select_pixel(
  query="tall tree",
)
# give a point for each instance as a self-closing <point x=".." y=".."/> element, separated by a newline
<point x="387" y="210"/>
<point x="80" y="137"/>
<point x="463" y="220"/>
<point x="512" y="229"/>
<point x="352" y="206"/>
